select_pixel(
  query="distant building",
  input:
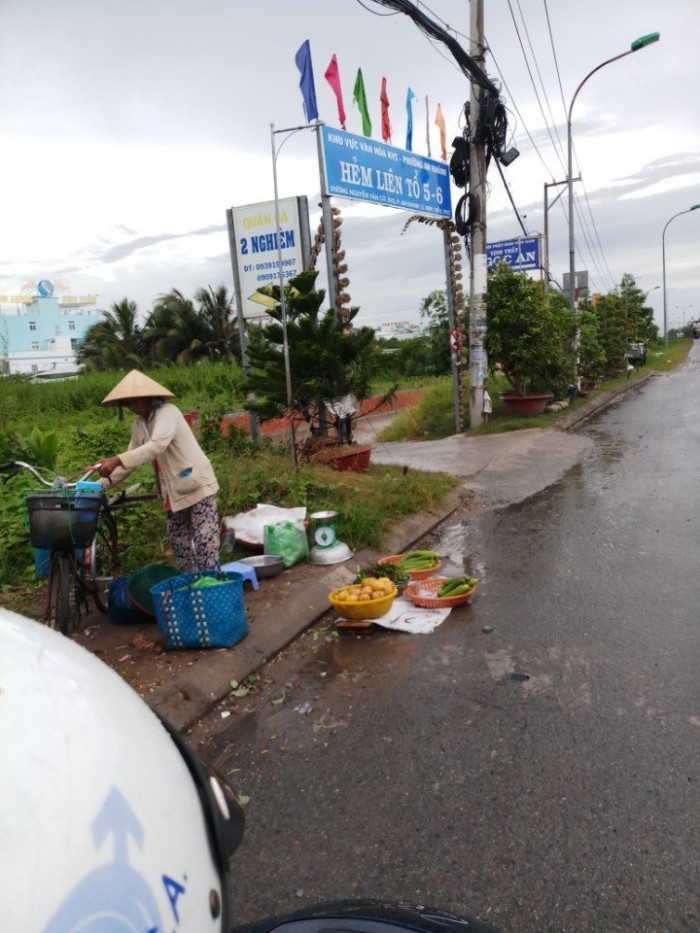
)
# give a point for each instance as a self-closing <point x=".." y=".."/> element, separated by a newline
<point x="40" y="332"/>
<point x="400" y="330"/>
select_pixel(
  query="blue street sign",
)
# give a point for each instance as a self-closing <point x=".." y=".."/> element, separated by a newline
<point x="520" y="254"/>
<point x="366" y="170"/>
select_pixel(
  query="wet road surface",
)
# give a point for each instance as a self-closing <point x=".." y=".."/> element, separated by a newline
<point x="562" y="799"/>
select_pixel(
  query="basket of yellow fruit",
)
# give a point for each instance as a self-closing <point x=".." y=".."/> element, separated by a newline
<point x="370" y="599"/>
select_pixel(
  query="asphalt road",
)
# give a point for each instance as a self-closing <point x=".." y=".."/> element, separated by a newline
<point x="562" y="799"/>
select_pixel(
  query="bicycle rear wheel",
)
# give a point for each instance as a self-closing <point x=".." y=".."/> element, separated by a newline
<point x="62" y="607"/>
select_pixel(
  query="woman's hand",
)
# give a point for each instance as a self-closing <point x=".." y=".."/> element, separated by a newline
<point x="107" y="466"/>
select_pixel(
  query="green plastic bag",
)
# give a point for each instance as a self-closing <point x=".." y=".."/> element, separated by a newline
<point x="287" y="541"/>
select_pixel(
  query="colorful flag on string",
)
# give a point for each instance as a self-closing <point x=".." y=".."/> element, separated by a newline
<point x="306" y="83"/>
<point x="361" y="100"/>
<point x="332" y="76"/>
<point x="386" y="122"/>
<point x="440" y="121"/>
<point x="410" y="97"/>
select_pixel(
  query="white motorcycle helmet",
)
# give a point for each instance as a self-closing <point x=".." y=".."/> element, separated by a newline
<point x="107" y="821"/>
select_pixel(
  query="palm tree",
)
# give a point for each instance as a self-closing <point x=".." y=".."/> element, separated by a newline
<point x="217" y="311"/>
<point x="115" y="342"/>
<point x="175" y="331"/>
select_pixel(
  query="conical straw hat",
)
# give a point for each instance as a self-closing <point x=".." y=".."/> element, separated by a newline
<point x="136" y="385"/>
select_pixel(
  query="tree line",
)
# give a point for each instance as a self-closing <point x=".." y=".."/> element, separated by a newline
<point x="523" y="321"/>
<point x="177" y="330"/>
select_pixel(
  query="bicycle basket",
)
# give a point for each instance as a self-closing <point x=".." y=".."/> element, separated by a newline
<point x="191" y="616"/>
<point x="62" y="519"/>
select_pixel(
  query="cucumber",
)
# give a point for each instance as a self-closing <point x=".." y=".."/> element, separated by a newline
<point x="449" y="585"/>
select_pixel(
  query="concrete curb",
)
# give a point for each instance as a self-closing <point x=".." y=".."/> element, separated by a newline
<point x="601" y="402"/>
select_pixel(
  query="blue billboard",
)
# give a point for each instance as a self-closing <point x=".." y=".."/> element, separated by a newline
<point x="365" y="170"/>
<point x="520" y="254"/>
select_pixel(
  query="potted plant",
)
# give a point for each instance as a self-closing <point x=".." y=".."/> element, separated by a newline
<point x="331" y="363"/>
<point x="530" y="334"/>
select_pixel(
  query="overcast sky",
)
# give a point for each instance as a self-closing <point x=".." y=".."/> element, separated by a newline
<point x="127" y="128"/>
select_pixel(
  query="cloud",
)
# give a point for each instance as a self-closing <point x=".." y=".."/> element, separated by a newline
<point x="121" y="251"/>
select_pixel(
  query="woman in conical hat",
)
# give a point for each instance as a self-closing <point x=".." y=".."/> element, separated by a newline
<point x="187" y="486"/>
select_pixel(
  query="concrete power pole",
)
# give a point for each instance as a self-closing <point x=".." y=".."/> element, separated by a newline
<point x="478" y="361"/>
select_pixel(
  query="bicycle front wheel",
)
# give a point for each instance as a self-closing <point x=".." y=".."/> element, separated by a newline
<point x="103" y="561"/>
<point x="61" y="604"/>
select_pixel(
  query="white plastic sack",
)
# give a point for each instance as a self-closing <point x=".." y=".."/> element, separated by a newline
<point x="249" y="527"/>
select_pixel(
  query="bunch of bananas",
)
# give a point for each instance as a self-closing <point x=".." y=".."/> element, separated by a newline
<point x="418" y="560"/>
<point x="456" y="586"/>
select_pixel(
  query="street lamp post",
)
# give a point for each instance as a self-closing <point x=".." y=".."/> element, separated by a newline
<point x="635" y="47"/>
<point x="663" y="263"/>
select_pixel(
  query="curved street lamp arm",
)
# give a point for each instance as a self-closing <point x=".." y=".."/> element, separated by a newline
<point x="590" y="75"/>
<point x="663" y="263"/>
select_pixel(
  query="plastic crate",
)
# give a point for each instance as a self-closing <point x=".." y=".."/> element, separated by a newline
<point x="62" y="519"/>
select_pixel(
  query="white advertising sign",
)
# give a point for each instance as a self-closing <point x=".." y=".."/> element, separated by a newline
<point x="256" y="250"/>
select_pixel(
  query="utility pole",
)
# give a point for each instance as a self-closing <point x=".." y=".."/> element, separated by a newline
<point x="553" y="184"/>
<point x="478" y="361"/>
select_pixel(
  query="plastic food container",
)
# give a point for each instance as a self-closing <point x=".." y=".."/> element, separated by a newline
<point x="364" y="609"/>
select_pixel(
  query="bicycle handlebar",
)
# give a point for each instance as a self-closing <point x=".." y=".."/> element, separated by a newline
<point x="14" y="466"/>
<point x="121" y="500"/>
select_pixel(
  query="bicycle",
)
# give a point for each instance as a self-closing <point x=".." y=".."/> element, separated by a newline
<point x="79" y="529"/>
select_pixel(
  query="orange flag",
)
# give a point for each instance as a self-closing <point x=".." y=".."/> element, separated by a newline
<point x="440" y="121"/>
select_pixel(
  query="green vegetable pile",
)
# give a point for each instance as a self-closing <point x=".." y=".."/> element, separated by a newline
<point x="418" y="560"/>
<point x="391" y="571"/>
<point x="456" y="586"/>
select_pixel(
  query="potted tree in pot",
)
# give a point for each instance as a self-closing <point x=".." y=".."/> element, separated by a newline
<point x="531" y="335"/>
<point x="331" y="364"/>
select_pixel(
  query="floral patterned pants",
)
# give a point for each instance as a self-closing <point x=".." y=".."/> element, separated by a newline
<point x="194" y="536"/>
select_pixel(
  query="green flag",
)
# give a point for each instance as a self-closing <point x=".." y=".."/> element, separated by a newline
<point x="361" y="100"/>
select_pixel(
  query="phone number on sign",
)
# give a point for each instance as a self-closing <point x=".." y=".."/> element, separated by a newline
<point x="269" y="276"/>
<point x="258" y="267"/>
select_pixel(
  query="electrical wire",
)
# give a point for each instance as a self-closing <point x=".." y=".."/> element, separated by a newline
<point x="376" y="12"/>
<point x="589" y="231"/>
<point x="534" y="85"/>
<point x="563" y="102"/>
<point x="539" y="75"/>
<point x="520" y="116"/>
<point x="510" y="198"/>
<point x="466" y="63"/>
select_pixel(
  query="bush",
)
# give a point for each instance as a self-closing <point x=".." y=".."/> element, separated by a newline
<point x="529" y="333"/>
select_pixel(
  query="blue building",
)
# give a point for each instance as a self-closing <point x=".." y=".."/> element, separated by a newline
<point x="40" y="332"/>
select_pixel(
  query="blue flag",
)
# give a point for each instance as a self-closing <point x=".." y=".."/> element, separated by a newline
<point x="410" y="96"/>
<point x="306" y="83"/>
